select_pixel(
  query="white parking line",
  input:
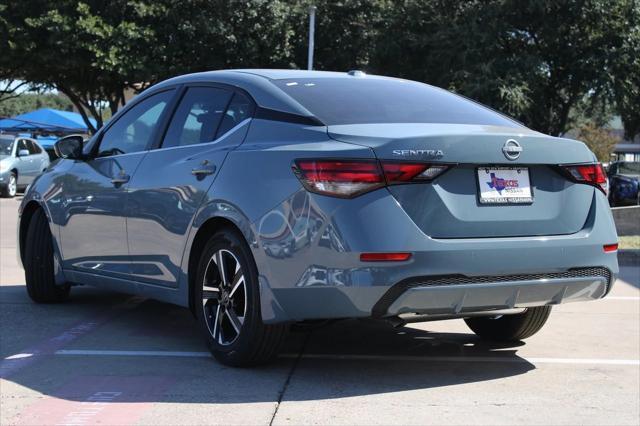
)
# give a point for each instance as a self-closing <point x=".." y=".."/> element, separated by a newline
<point x="338" y="357"/>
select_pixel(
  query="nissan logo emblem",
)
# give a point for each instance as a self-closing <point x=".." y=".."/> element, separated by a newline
<point x="511" y="149"/>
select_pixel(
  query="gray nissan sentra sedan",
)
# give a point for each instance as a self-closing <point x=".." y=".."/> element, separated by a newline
<point x="260" y="198"/>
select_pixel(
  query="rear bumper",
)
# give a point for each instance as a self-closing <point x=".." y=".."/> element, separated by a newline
<point x="318" y="274"/>
<point x="457" y="295"/>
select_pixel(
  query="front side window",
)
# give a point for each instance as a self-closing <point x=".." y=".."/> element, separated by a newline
<point x="22" y="145"/>
<point x="134" y="130"/>
<point x="198" y="116"/>
<point x="33" y="148"/>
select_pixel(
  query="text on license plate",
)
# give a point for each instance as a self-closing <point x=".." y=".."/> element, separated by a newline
<point x="504" y="185"/>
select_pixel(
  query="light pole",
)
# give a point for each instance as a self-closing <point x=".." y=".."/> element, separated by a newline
<point x="312" y="30"/>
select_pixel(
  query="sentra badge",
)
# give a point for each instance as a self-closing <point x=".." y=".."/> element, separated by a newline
<point x="431" y="153"/>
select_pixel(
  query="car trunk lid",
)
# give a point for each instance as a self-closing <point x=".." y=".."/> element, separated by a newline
<point x="450" y="206"/>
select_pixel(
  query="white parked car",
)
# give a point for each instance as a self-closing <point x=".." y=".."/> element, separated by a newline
<point x="21" y="160"/>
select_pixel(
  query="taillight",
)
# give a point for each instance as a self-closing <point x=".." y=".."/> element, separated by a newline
<point x="411" y="172"/>
<point x="340" y="178"/>
<point x="590" y="174"/>
<point x="349" y="178"/>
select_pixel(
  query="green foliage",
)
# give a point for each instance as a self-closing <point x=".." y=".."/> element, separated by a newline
<point x="346" y="36"/>
<point x="26" y="102"/>
<point x="547" y="63"/>
<point x="600" y="140"/>
<point x="625" y="74"/>
<point x="532" y="59"/>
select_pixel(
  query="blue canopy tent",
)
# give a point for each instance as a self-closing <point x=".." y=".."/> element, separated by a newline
<point x="47" y="121"/>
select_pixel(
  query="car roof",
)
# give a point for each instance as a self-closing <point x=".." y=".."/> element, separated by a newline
<point x="284" y="74"/>
<point x="258" y="82"/>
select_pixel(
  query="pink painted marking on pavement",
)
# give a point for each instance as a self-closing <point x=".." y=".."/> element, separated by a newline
<point x="90" y="400"/>
<point x="48" y="347"/>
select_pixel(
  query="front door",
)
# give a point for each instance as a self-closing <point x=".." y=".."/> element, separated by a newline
<point x="171" y="182"/>
<point x="94" y="237"/>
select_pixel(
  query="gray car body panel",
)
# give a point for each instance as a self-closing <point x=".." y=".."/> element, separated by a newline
<point x="307" y="246"/>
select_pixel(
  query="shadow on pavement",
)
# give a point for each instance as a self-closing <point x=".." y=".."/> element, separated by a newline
<point x="119" y="324"/>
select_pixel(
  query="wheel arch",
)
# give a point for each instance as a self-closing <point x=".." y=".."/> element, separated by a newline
<point x="205" y="231"/>
<point x="25" y="219"/>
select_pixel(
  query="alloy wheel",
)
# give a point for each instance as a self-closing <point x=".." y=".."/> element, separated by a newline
<point x="224" y="297"/>
<point x="12" y="187"/>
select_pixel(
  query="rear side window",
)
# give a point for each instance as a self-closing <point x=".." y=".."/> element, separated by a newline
<point x="6" y="146"/>
<point x="239" y="109"/>
<point x="198" y="116"/>
<point x="33" y="148"/>
<point x="373" y="100"/>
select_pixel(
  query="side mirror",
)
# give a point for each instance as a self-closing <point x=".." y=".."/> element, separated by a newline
<point x="23" y="153"/>
<point x="69" y="147"/>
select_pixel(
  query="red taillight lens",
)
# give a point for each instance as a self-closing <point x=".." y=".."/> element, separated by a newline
<point x="340" y="178"/>
<point x="348" y="178"/>
<point x="410" y="172"/>
<point x="591" y="174"/>
<point x="384" y="257"/>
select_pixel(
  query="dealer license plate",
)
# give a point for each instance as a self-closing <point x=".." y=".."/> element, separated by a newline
<point x="504" y="185"/>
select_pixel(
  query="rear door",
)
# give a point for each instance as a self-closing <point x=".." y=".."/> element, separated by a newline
<point x="27" y="165"/>
<point x="40" y="157"/>
<point x="173" y="179"/>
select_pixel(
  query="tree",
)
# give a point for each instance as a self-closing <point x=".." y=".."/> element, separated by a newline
<point x="84" y="50"/>
<point x="346" y="33"/>
<point x="532" y="59"/>
<point x="625" y="75"/>
<point x="599" y="140"/>
<point x="537" y="60"/>
<point x="25" y="102"/>
<point x="9" y="86"/>
<point x="92" y="51"/>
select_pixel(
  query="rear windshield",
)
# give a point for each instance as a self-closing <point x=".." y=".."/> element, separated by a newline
<point x="373" y="100"/>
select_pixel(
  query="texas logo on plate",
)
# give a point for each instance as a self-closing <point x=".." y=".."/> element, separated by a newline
<point x="504" y="185"/>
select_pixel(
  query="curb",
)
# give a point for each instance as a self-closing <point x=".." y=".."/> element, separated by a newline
<point x="629" y="257"/>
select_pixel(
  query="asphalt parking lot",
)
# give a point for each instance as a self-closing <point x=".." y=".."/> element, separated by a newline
<point x="106" y="358"/>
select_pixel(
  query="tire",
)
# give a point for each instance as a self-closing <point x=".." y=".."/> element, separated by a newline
<point x="228" y="310"/>
<point x="38" y="263"/>
<point x="11" y="188"/>
<point x="510" y="327"/>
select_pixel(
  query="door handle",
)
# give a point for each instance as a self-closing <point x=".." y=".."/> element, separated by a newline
<point x="204" y="169"/>
<point x="120" y="179"/>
